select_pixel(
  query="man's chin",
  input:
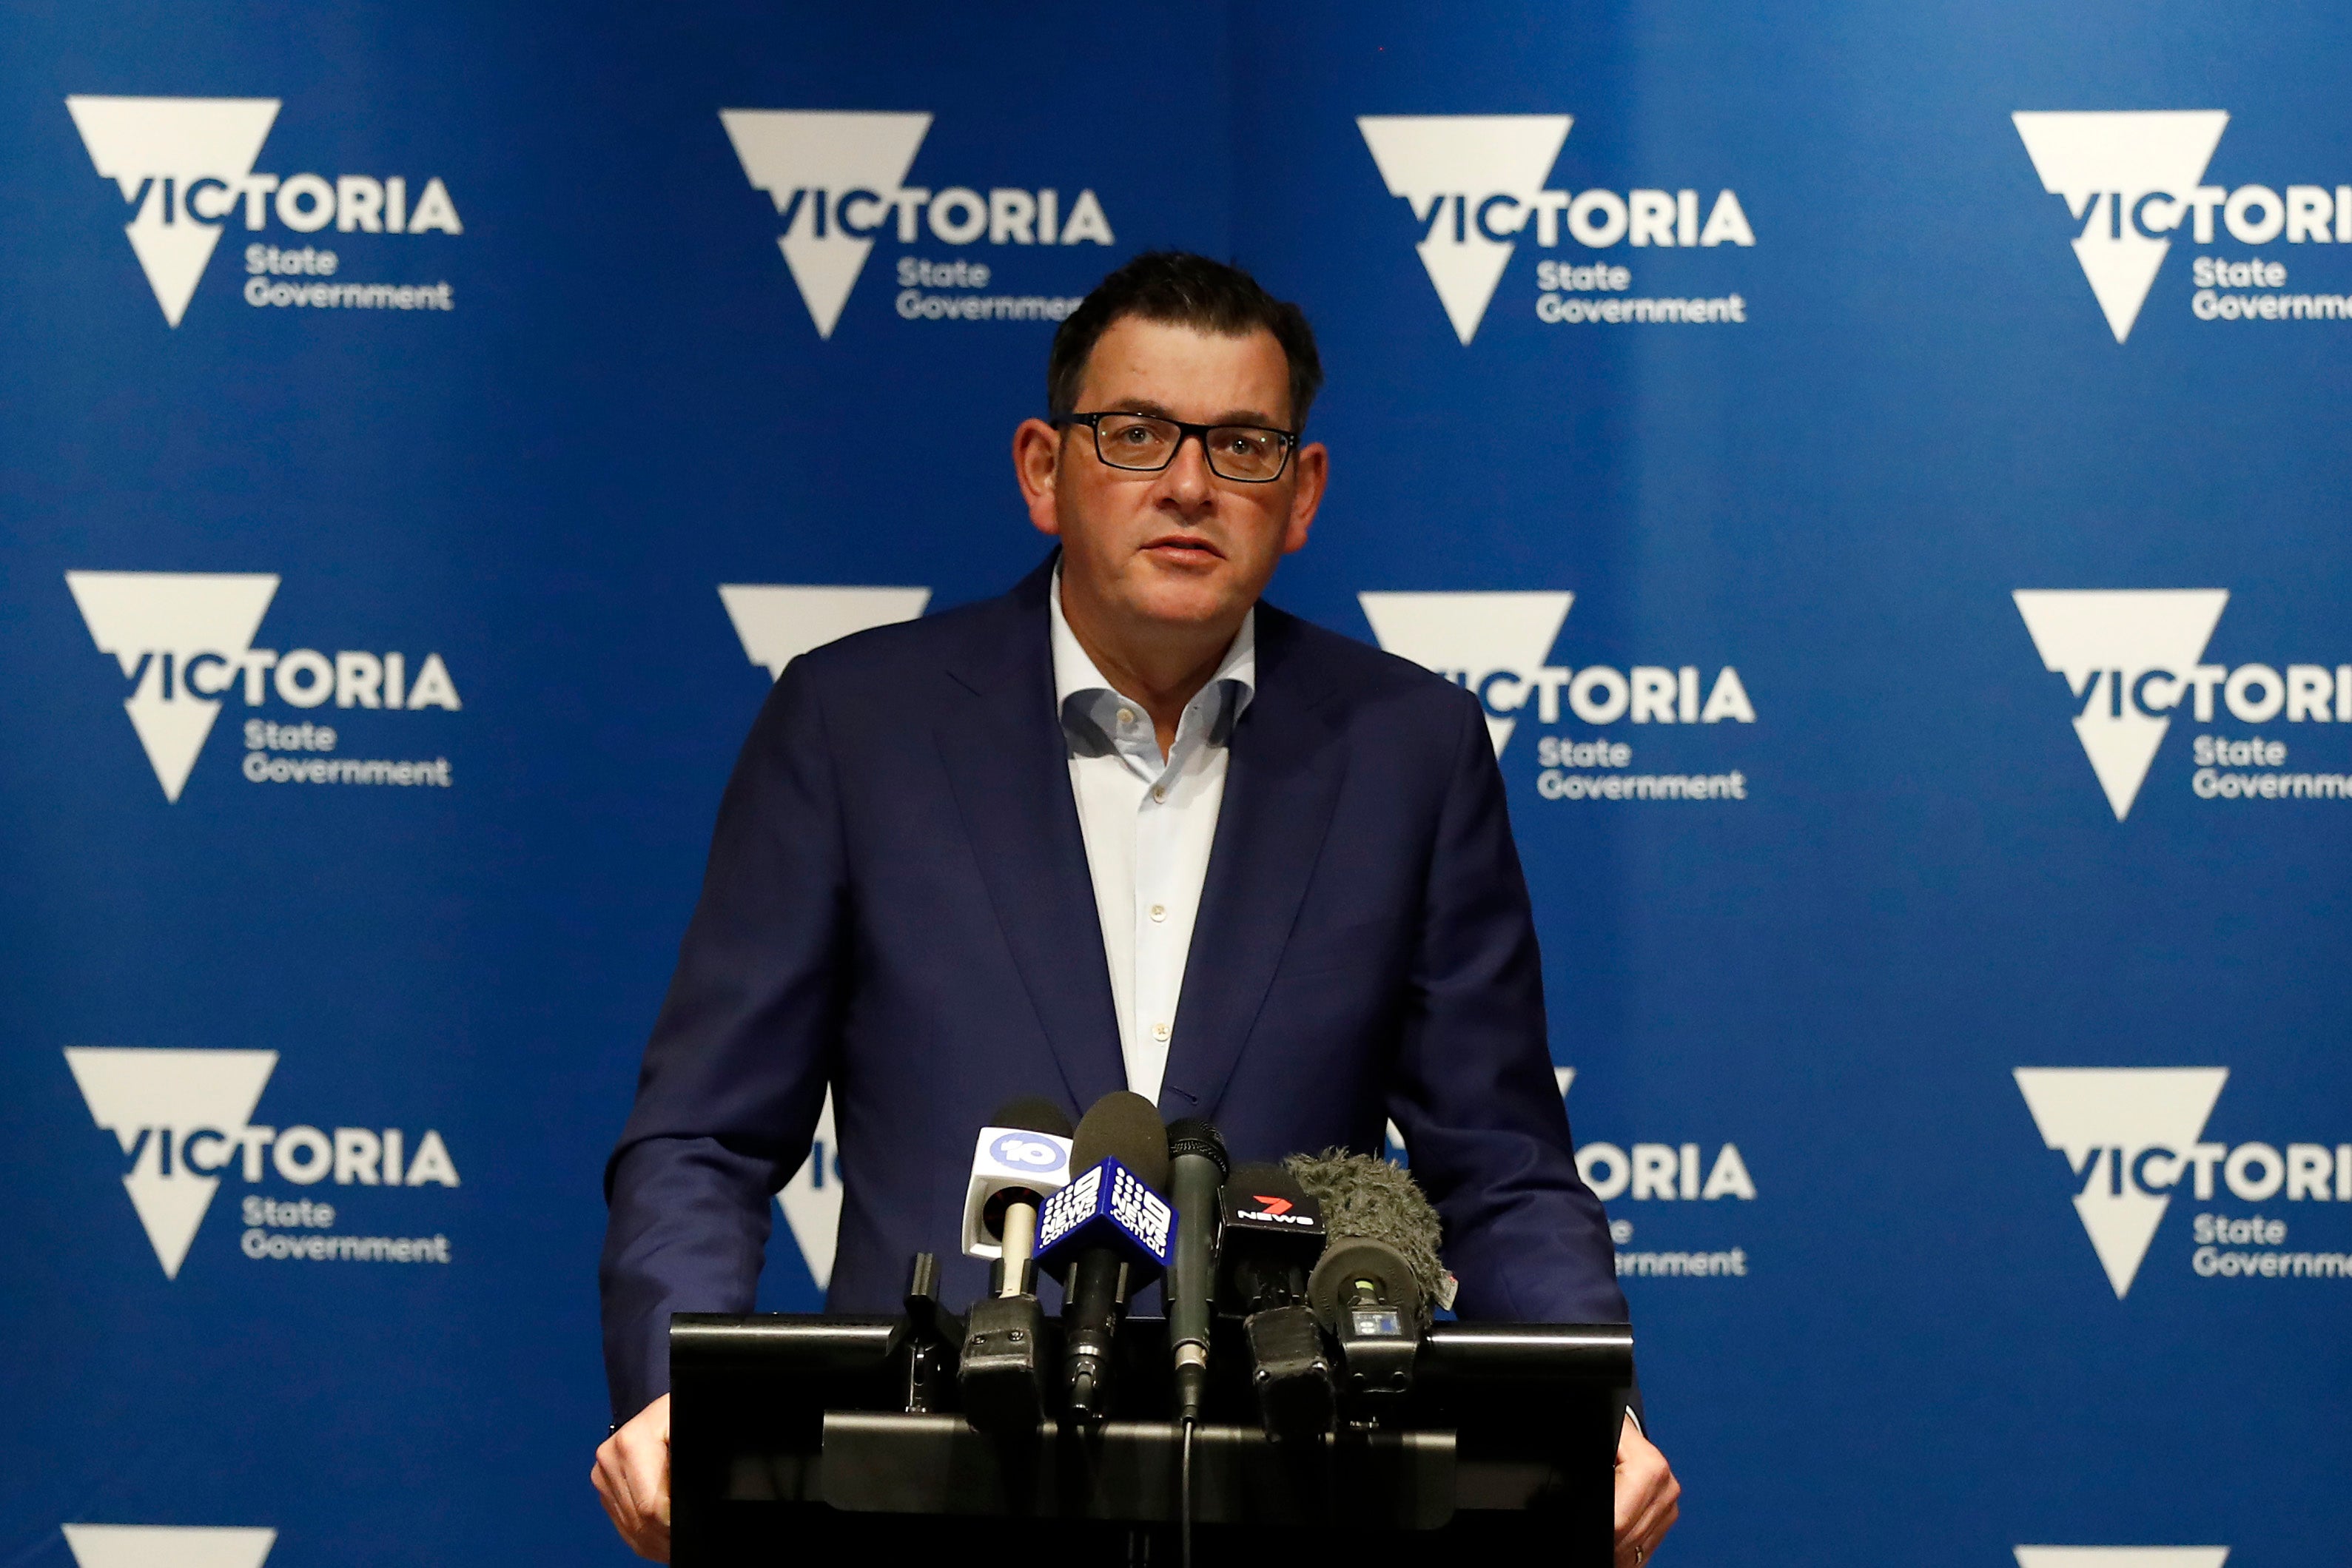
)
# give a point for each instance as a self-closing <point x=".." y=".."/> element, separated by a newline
<point x="1191" y="603"/>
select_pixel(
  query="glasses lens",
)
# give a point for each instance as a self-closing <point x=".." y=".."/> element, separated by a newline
<point x="1247" y="453"/>
<point x="1135" y="441"/>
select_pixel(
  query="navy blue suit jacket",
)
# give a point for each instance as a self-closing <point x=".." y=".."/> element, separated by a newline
<point x="897" y="904"/>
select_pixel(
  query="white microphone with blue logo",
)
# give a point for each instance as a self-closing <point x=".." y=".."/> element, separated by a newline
<point x="1103" y="1235"/>
<point x="1021" y="1159"/>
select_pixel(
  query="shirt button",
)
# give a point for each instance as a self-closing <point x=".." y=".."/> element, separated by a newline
<point x="1158" y="912"/>
<point x="1160" y="1032"/>
<point x="1126" y="716"/>
<point x="1160" y="792"/>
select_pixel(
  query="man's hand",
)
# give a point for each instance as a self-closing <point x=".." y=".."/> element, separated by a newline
<point x="632" y="1477"/>
<point x="1648" y="1495"/>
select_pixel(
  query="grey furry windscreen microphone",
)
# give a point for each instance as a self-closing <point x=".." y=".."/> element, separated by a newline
<point x="1367" y="1199"/>
<point x="1373" y="1288"/>
<point x="1198" y="1156"/>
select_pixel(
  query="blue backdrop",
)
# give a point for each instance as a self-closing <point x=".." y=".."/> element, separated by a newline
<point x="1881" y="467"/>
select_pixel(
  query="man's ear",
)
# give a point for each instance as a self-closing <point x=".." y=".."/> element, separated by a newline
<point x="1313" y="467"/>
<point x="1036" y="460"/>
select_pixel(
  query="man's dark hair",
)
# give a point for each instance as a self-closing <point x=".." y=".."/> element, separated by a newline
<point x="1179" y="288"/>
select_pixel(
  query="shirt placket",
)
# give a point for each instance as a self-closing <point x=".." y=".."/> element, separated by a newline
<point x="1138" y="754"/>
<point x="1156" y="847"/>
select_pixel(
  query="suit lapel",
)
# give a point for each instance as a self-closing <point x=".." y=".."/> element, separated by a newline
<point x="1282" y="782"/>
<point x="1005" y="759"/>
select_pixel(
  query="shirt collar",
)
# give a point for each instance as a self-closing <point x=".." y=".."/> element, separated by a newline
<point x="1075" y="674"/>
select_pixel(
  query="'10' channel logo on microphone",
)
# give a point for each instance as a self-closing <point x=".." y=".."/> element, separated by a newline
<point x="1026" y="1151"/>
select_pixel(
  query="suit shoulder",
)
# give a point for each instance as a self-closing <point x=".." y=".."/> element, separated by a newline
<point x="897" y="651"/>
<point x="1362" y="672"/>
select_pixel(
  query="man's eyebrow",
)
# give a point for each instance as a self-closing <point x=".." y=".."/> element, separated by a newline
<point x="1138" y="405"/>
<point x="1160" y="410"/>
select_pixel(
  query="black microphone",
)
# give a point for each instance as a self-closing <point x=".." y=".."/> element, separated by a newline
<point x="1197" y="1155"/>
<point x="1105" y="1234"/>
<point x="1270" y="1234"/>
<point x="1023" y="1157"/>
<point x="1373" y="1289"/>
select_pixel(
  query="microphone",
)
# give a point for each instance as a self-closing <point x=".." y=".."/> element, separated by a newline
<point x="1270" y="1234"/>
<point x="1373" y="1289"/>
<point x="1023" y="1156"/>
<point x="1106" y="1232"/>
<point x="1197" y="1155"/>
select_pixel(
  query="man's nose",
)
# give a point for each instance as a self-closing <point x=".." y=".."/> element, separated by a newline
<point x="1187" y="480"/>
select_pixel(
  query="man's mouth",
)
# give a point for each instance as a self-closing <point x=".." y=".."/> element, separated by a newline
<point x="1186" y="548"/>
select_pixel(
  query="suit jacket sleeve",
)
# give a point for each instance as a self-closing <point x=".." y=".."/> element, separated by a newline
<point x="735" y="1073"/>
<point x="1474" y="1092"/>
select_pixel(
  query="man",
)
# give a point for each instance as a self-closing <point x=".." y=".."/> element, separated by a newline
<point x="1123" y="828"/>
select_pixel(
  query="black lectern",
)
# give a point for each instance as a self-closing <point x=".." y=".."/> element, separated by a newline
<point x="800" y="1438"/>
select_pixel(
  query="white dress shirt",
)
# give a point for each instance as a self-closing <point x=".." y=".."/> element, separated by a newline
<point x="1150" y="821"/>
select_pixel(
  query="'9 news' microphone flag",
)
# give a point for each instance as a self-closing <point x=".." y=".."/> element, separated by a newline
<point x="1106" y="1232"/>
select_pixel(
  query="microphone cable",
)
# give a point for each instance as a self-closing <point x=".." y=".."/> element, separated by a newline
<point x="1184" y="1498"/>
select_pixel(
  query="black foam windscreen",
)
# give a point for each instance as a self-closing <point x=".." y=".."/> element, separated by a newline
<point x="1033" y="1113"/>
<point x="1124" y="1126"/>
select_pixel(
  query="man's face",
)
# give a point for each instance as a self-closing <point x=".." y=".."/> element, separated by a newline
<point x="1180" y="548"/>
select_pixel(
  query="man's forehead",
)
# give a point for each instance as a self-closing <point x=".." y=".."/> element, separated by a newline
<point x="1176" y="366"/>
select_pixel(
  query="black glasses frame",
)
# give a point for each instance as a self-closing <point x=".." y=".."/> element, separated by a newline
<point x="1183" y="433"/>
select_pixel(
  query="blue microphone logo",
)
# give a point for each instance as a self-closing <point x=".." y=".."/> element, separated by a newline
<point x="1109" y="1205"/>
<point x="1026" y="1151"/>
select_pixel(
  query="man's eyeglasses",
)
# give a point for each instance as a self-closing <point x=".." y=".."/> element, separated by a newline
<point x="1145" y="444"/>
